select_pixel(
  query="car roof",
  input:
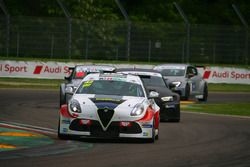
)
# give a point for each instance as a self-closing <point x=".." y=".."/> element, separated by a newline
<point x="140" y="71"/>
<point x="162" y="66"/>
<point x="114" y="77"/>
<point x="96" y="68"/>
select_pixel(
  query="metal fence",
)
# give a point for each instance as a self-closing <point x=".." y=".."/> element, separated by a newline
<point x="59" y="38"/>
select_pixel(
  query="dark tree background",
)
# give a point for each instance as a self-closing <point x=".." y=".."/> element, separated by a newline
<point x="198" y="11"/>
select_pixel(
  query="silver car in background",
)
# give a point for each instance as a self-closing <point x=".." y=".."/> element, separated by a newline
<point x="184" y="80"/>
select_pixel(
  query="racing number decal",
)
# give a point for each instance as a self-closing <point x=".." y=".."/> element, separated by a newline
<point x="87" y="83"/>
<point x="193" y="85"/>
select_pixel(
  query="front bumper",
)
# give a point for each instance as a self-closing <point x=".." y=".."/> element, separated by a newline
<point x="73" y="126"/>
<point x="169" y="110"/>
<point x="179" y="90"/>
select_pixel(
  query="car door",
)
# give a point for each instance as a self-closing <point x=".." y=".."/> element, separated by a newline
<point x="194" y="79"/>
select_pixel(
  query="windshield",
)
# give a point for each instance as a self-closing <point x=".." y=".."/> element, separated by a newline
<point x="153" y="81"/>
<point x="173" y="72"/>
<point x="110" y="87"/>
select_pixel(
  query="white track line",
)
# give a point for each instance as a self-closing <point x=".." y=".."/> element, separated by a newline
<point x="217" y="115"/>
<point x="28" y="127"/>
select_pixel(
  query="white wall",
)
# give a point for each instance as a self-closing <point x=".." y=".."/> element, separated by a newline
<point x="57" y="70"/>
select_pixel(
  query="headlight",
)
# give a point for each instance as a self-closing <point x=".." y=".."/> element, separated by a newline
<point x="177" y="83"/>
<point x="138" y="110"/>
<point x="74" y="106"/>
<point x="167" y="98"/>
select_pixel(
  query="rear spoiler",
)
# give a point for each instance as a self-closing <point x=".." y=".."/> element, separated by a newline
<point x="200" y="66"/>
<point x="71" y="68"/>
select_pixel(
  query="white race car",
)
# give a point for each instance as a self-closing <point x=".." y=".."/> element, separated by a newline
<point x="110" y="106"/>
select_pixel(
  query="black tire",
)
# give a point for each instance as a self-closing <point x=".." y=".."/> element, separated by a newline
<point x="187" y="93"/>
<point x="175" y="120"/>
<point x="205" y="94"/>
<point x="157" y="136"/>
<point x="62" y="96"/>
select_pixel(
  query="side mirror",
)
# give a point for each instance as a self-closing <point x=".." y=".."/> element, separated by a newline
<point x="171" y="86"/>
<point x="153" y="94"/>
<point x="67" y="78"/>
<point x="69" y="90"/>
<point x="190" y="75"/>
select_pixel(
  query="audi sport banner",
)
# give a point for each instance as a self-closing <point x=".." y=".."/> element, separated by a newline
<point x="37" y="69"/>
<point x="58" y="70"/>
<point x="23" y="69"/>
<point x="225" y="75"/>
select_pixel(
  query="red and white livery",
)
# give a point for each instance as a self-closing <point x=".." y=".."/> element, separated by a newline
<point x="110" y="106"/>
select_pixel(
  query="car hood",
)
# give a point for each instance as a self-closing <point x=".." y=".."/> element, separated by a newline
<point x="163" y="91"/>
<point x="170" y="79"/>
<point x="122" y="106"/>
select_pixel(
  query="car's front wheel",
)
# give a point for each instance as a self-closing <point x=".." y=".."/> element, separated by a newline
<point x="205" y="94"/>
<point x="62" y="95"/>
<point x="187" y="93"/>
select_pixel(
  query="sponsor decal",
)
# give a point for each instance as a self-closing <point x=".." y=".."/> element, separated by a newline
<point x="206" y="74"/>
<point x="145" y="134"/>
<point x="87" y="83"/>
<point x="112" y="77"/>
<point x="147" y="125"/>
<point x="107" y="99"/>
<point x="12" y="68"/>
<point x="47" y="69"/>
<point x="38" y="70"/>
<point x="170" y="106"/>
<point x="86" y="69"/>
<point x="225" y="75"/>
<point x="58" y="70"/>
<point x="65" y="130"/>
<point x="66" y="121"/>
<point x="193" y="86"/>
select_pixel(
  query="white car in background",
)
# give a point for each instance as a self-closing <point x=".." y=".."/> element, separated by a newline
<point x="184" y="80"/>
<point x="77" y="74"/>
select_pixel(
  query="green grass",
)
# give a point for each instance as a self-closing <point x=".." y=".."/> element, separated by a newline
<point x="30" y="83"/>
<point x="240" y="109"/>
<point x="228" y="87"/>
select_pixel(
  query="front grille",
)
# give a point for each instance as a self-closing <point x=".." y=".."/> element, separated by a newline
<point x="112" y="131"/>
<point x="75" y="125"/>
<point x="133" y="129"/>
<point x="97" y="131"/>
<point x="105" y="115"/>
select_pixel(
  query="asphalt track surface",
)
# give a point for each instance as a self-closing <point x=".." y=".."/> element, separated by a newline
<point x="198" y="140"/>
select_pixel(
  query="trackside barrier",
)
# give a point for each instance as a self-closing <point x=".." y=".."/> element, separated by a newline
<point x="57" y="70"/>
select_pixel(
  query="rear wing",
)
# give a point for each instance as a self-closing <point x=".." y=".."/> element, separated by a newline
<point x="71" y="69"/>
<point x="200" y="66"/>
